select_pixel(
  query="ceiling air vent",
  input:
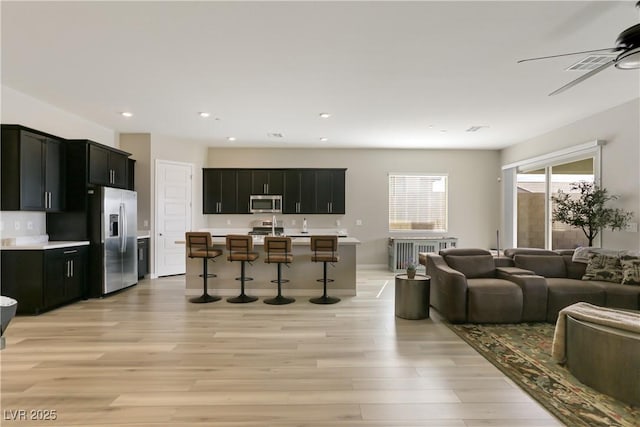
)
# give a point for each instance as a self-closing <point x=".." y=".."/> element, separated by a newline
<point x="475" y="128"/>
<point x="591" y="62"/>
<point x="275" y="135"/>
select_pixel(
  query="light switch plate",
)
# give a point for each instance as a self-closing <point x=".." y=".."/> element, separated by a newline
<point x="16" y="225"/>
<point x="358" y="222"/>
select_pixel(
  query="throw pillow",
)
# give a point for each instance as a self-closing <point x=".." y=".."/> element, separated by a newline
<point x="630" y="270"/>
<point x="603" y="267"/>
<point x="581" y="254"/>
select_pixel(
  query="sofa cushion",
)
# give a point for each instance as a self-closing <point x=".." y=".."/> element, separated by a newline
<point x="542" y="265"/>
<point x="472" y="266"/>
<point x="603" y="267"/>
<point x="630" y="270"/>
<point x="494" y="301"/>
<point x="619" y="296"/>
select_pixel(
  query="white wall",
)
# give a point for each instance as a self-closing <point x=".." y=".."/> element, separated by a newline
<point x="21" y="109"/>
<point x="620" y="128"/>
<point x="474" y="192"/>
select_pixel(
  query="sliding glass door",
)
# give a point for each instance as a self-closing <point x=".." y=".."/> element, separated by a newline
<point x="564" y="236"/>
<point x="535" y="191"/>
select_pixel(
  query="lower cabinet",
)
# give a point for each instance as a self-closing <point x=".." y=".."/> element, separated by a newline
<point x="143" y="257"/>
<point x="44" y="279"/>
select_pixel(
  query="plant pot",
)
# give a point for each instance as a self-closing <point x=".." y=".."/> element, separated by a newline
<point x="411" y="274"/>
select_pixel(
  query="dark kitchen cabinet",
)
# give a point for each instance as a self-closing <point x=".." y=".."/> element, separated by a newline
<point x="33" y="170"/>
<point x="108" y="167"/>
<point x="267" y="181"/>
<point x="304" y="191"/>
<point x="143" y="257"/>
<point x="44" y="279"/>
<point x="219" y="188"/>
<point x="89" y="164"/>
<point x="330" y="191"/>
<point x="299" y="191"/>
<point x="243" y="193"/>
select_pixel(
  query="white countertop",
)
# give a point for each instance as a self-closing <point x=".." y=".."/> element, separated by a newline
<point x="56" y="244"/>
<point x="144" y="234"/>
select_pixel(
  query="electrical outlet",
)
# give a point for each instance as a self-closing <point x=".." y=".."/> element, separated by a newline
<point x="358" y="222"/>
<point x="145" y="223"/>
<point x="293" y="222"/>
<point x="632" y="227"/>
<point x="228" y="222"/>
<point x="337" y="223"/>
<point x="16" y="225"/>
<point x="29" y="225"/>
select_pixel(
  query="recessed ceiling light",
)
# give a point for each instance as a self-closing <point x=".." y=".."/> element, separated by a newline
<point x="443" y="130"/>
<point x="325" y="115"/>
<point x="204" y="114"/>
<point x="126" y="114"/>
<point x="231" y="138"/>
<point x="324" y="139"/>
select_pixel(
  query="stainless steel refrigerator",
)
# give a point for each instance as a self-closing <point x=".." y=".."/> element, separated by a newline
<point x="118" y="222"/>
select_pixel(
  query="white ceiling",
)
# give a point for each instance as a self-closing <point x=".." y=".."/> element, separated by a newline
<point x="392" y="74"/>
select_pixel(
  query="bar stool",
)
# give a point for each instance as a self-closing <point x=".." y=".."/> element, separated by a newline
<point x="278" y="251"/>
<point x="240" y="248"/>
<point x="200" y="245"/>
<point x="325" y="251"/>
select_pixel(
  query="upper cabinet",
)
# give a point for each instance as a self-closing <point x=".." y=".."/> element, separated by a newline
<point x="299" y="195"/>
<point x="219" y="191"/>
<point x="304" y="191"/>
<point x="107" y="166"/>
<point x="92" y="163"/>
<point x="330" y="196"/>
<point x="267" y="181"/>
<point x="33" y="170"/>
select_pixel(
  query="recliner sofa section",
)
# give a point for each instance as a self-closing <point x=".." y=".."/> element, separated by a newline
<point x="565" y="285"/>
<point x="471" y="286"/>
<point x="526" y="285"/>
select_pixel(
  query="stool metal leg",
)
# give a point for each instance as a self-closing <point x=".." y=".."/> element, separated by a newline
<point x="324" y="299"/>
<point x="205" y="297"/>
<point x="242" y="298"/>
<point x="279" y="299"/>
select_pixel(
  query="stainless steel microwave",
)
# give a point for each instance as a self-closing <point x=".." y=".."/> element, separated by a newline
<point x="265" y="203"/>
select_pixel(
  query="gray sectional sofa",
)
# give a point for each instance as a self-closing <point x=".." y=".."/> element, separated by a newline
<point x="525" y="285"/>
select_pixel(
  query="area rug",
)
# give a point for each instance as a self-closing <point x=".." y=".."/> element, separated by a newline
<point x="523" y="353"/>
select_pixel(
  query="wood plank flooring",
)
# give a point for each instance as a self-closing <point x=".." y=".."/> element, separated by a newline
<point x="147" y="357"/>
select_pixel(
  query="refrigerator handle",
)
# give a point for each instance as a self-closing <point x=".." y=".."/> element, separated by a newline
<point x="123" y="228"/>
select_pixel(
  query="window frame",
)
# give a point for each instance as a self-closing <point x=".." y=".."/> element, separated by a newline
<point x="445" y="208"/>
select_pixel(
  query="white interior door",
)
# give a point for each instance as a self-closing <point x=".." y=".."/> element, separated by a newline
<point x="173" y="215"/>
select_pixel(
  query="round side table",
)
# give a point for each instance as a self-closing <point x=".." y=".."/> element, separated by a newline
<point x="412" y="296"/>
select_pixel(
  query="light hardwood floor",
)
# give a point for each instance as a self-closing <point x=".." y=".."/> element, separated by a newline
<point x="147" y="357"/>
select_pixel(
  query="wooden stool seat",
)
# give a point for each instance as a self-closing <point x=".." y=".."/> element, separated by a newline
<point x="278" y="251"/>
<point x="200" y="245"/>
<point x="240" y="249"/>
<point x="325" y="250"/>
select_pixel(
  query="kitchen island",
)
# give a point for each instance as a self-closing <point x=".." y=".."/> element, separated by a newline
<point x="302" y="273"/>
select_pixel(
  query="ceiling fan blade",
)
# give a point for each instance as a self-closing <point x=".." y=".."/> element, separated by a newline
<point x="583" y="77"/>
<point x="609" y="49"/>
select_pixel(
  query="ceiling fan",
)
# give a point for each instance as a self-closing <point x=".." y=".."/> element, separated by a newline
<point x="628" y="58"/>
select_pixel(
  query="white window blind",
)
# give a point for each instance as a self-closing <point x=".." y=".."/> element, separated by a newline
<point x="417" y="202"/>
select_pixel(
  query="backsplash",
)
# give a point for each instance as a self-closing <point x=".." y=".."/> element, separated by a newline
<point x="22" y="223"/>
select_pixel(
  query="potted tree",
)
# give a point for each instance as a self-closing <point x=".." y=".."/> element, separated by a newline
<point x="588" y="211"/>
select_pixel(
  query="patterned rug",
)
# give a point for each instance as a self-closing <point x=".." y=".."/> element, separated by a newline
<point x="523" y="353"/>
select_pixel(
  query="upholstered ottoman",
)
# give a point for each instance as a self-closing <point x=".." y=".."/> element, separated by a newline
<point x="604" y="358"/>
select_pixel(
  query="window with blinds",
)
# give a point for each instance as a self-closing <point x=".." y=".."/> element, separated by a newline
<point x="417" y="202"/>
